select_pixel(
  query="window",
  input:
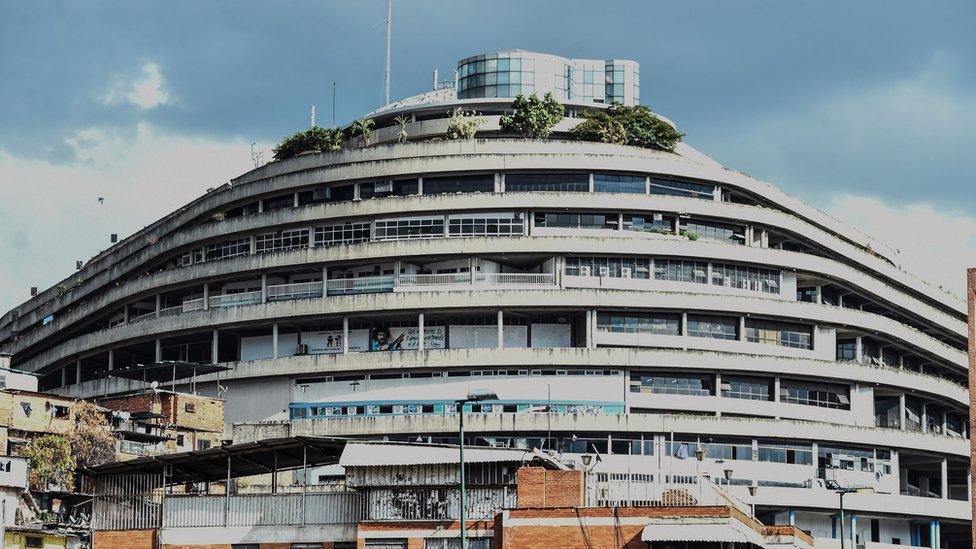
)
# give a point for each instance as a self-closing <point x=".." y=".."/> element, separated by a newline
<point x="396" y="187"/>
<point x="33" y="541"/>
<point x="608" y="183"/>
<point x="408" y="228"/>
<point x="576" y="221"/>
<point x="678" y="270"/>
<point x="649" y="223"/>
<point x="644" y="323"/>
<point x="455" y="543"/>
<point x="786" y="453"/>
<point x="674" y="187"/>
<point x="282" y="240"/>
<point x="203" y="444"/>
<point x="486" y="225"/>
<point x="784" y="334"/>
<point x="675" y="384"/>
<point x="347" y="233"/>
<point x="719" y="232"/>
<point x="459" y="184"/>
<point x="746" y="388"/>
<point x="386" y="544"/>
<point x="223" y="250"/>
<point x="713" y="327"/>
<point x="746" y="278"/>
<point x="561" y="182"/>
<point x="189" y="407"/>
<point x="612" y="266"/>
<point x="339" y="193"/>
<point x="279" y="202"/>
<point x="846" y="349"/>
<point x="823" y="395"/>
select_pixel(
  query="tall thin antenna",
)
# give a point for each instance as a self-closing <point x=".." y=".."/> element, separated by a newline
<point x="389" y="32"/>
<point x="313" y="116"/>
<point x="333" y="104"/>
<point x="256" y="156"/>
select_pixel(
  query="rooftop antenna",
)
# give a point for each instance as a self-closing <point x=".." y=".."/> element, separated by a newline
<point x="333" y="104"/>
<point x="389" y="31"/>
<point x="313" y="116"/>
<point x="257" y="156"/>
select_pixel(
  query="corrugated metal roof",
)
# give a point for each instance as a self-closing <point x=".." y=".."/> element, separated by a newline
<point x="358" y="454"/>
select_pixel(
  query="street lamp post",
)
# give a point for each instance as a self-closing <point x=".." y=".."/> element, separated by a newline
<point x="842" y="492"/>
<point x="473" y="396"/>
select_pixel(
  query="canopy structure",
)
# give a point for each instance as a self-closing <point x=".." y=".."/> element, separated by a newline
<point x="236" y="460"/>
<point x="166" y="371"/>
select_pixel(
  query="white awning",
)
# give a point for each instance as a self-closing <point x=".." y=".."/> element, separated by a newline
<point x="728" y="532"/>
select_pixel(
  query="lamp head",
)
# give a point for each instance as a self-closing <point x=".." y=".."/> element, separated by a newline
<point x="727" y="473"/>
<point x="587" y="459"/>
<point x="753" y="489"/>
<point x="699" y="454"/>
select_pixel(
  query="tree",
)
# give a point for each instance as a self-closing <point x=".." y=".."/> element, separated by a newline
<point x="641" y="128"/>
<point x="402" y="122"/>
<point x="313" y="139"/>
<point x="533" y="117"/>
<point x="364" y="129"/>
<point x="50" y="462"/>
<point x="91" y="439"/>
<point x="463" y="125"/>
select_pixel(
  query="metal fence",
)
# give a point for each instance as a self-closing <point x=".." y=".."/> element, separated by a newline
<point x="195" y="511"/>
<point x="435" y="503"/>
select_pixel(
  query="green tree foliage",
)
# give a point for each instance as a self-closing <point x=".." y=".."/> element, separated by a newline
<point x="533" y="117"/>
<point x="50" y="462"/>
<point x="90" y="438"/>
<point x="636" y="126"/>
<point x="313" y="139"/>
<point x="364" y="129"/>
<point x="463" y="125"/>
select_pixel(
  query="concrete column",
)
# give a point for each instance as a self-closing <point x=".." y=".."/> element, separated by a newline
<point x="589" y="329"/>
<point x="472" y="268"/>
<point x="447" y="225"/>
<point x="859" y="350"/>
<point x="742" y="328"/>
<point x="684" y="324"/>
<point x="64" y="376"/>
<point x="355" y="192"/>
<point x="945" y="423"/>
<point x="274" y="340"/>
<point x="718" y="391"/>
<point x="945" y="478"/>
<point x="717" y="196"/>
<point x="501" y="330"/>
<point x="647" y="185"/>
<point x="125" y="314"/>
<point x="969" y="484"/>
<point x="260" y="206"/>
<point x="111" y="359"/>
<point x="776" y="389"/>
<point x="254" y="245"/>
<point x="420" y="185"/>
<point x="325" y="281"/>
<point x="620" y="221"/>
<point x="159" y="350"/>
<point x="895" y="468"/>
<point x="853" y="530"/>
<point x="792" y="517"/>
<point x="214" y="348"/>
<point x="591" y="182"/>
<point x="264" y="287"/>
<point x="295" y="201"/>
<point x="819" y="294"/>
<point x="925" y="417"/>
<point x="159" y="305"/>
<point x="420" y="332"/>
<point x="345" y="335"/>
<point x="78" y="372"/>
<point x="902" y="416"/>
<point x="934" y="534"/>
<point x="499" y="182"/>
<point x="206" y="296"/>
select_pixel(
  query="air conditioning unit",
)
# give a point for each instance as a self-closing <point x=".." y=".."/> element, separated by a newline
<point x="584" y="270"/>
<point x="302" y="349"/>
<point x="625" y="272"/>
<point x="604" y="271"/>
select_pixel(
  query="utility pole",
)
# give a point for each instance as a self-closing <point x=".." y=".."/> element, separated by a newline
<point x="389" y="32"/>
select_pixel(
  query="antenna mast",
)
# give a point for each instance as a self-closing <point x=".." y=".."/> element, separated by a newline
<point x="313" y="116"/>
<point x="389" y="32"/>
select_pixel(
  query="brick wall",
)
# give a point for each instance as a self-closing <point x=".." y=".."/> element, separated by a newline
<point x="207" y="414"/>
<point x="124" y="539"/>
<point x="40" y="420"/>
<point x="538" y="487"/>
<point x="971" y="299"/>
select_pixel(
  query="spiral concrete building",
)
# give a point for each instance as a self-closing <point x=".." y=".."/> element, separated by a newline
<point x="648" y="307"/>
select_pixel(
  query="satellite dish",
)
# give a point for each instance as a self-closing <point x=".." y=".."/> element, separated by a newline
<point x="154" y="386"/>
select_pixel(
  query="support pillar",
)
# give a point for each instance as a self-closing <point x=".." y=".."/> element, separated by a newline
<point x="420" y="332"/>
<point x="159" y="350"/>
<point x="944" y="475"/>
<point x="214" y="348"/>
<point x="501" y="330"/>
<point x="159" y="305"/>
<point x="206" y="296"/>
<point x="853" y="531"/>
<point x="325" y="281"/>
<point x="792" y="517"/>
<point x="274" y="340"/>
<point x="902" y="412"/>
<point x="111" y="359"/>
<point x="264" y="287"/>
<point x="345" y="335"/>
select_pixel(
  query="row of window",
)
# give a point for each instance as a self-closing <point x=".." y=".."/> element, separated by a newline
<point x="770" y="332"/>
<point x="677" y="270"/>
<point x="339" y="410"/>
<point x="822" y="395"/>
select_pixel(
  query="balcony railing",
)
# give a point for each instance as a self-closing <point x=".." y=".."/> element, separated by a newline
<point x="434" y="279"/>
<point x="235" y="300"/>
<point x="399" y="504"/>
<point x="170" y="311"/>
<point x="361" y="285"/>
<point x="192" y="511"/>
<point x="298" y="290"/>
<point x="191" y="305"/>
<point x="517" y="278"/>
<point x="144" y="316"/>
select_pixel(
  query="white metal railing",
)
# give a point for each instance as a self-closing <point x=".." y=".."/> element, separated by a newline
<point x="134" y="448"/>
<point x="193" y="511"/>
<point x="361" y="285"/>
<point x="169" y="311"/>
<point x="298" y="290"/>
<point x="144" y="316"/>
<point x="434" y="279"/>
<point x="516" y="278"/>
<point x="193" y="305"/>
<point x="235" y="300"/>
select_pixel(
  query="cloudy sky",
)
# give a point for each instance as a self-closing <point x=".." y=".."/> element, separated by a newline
<point x="865" y="109"/>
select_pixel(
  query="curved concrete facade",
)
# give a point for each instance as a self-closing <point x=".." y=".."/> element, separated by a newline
<point x="631" y="302"/>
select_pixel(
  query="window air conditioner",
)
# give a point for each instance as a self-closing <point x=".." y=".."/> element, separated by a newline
<point x="584" y="270"/>
<point x="604" y="271"/>
<point x="625" y="272"/>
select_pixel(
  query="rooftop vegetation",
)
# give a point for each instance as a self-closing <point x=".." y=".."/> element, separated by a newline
<point x="313" y="139"/>
<point x="533" y="118"/>
<point x="636" y="126"/>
